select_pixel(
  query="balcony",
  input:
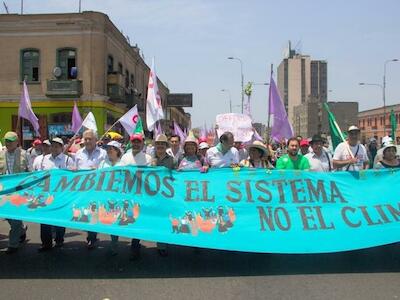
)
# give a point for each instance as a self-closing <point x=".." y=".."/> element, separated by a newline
<point x="116" y="93"/>
<point x="64" y="88"/>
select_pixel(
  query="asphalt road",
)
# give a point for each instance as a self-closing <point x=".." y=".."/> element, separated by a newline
<point x="73" y="272"/>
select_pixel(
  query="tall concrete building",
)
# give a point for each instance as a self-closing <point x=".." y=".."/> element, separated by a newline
<point x="303" y="85"/>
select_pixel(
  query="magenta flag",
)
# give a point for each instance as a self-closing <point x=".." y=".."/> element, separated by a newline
<point x="25" y="109"/>
<point x="76" y="119"/>
<point x="281" y="128"/>
<point x="178" y="131"/>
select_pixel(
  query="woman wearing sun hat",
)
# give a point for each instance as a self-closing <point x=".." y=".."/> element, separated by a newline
<point x="191" y="160"/>
<point x="258" y="154"/>
<point x="389" y="159"/>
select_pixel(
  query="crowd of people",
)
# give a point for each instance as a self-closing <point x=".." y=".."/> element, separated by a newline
<point x="87" y="153"/>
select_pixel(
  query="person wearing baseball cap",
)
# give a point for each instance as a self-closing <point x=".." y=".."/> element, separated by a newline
<point x="35" y="150"/>
<point x="113" y="159"/>
<point x="136" y="157"/>
<point x="56" y="159"/>
<point x="37" y="162"/>
<point x="304" y="146"/>
<point x="14" y="160"/>
<point x="351" y="155"/>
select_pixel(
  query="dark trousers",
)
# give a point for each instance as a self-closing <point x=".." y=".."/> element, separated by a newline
<point x="91" y="236"/>
<point x="46" y="234"/>
<point x="135" y="244"/>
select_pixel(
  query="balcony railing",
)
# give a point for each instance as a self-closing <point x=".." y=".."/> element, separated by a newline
<point x="64" y="88"/>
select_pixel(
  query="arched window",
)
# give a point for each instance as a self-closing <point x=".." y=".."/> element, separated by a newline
<point x="30" y="61"/>
<point x="120" y="69"/>
<point x="66" y="60"/>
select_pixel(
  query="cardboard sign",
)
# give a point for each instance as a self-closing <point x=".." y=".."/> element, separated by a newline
<point x="239" y="124"/>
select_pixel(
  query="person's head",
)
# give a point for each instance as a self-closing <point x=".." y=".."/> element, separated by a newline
<point x="190" y="146"/>
<point x="37" y="144"/>
<point x="137" y="143"/>
<point x="226" y="140"/>
<point x="161" y="145"/>
<point x="304" y="145"/>
<point x="11" y="141"/>
<point x="237" y="144"/>
<point x="317" y="143"/>
<point x="203" y="147"/>
<point x="389" y="151"/>
<point x="89" y="139"/>
<point x="293" y="146"/>
<point x="114" y="151"/>
<point x="46" y="147"/>
<point x="106" y="139"/>
<point x="174" y="141"/>
<point x="57" y="146"/>
<point x="353" y="135"/>
<point x="299" y="138"/>
<point x="257" y="150"/>
<point x="373" y="143"/>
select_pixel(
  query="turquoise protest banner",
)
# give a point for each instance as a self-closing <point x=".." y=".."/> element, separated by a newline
<point x="232" y="209"/>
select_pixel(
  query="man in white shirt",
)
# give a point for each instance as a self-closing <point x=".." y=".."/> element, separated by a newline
<point x="357" y="160"/>
<point x="89" y="158"/>
<point x="136" y="157"/>
<point x="175" y="149"/>
<point x="224" y="154"/>
<point x="319" y="159"/>
<point x="37" y="162"/>
<point x="55" y="160"/>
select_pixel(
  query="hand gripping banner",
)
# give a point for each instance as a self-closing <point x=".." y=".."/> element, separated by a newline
<point x="232" y="209"/>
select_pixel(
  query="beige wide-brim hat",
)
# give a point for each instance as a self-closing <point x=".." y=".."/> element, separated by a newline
<point x="259" y="145"/>
<point x="191" y="139"/>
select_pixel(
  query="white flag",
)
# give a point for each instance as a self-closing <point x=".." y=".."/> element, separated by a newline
<point x="154" y="110"/>
<point x="130" y="120"/>
<point x="90" y="122"/>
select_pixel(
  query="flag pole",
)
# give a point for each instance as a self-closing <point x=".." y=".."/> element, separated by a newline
<point x="108" y="129"/>
<point x="269" y="108"/>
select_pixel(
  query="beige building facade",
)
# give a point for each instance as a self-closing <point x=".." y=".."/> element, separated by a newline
<point x="64" y="58"/>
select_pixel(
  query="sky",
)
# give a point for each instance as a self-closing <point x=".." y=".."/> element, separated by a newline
<point x="191" y="41"/>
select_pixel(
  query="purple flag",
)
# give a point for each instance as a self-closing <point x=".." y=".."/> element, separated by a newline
<point x="178" y="131"/>
<point x="157" y="130"/>
<point x="76" y="119"/>
<point x="25" y="109"/>
<point x="256" y="136"/>
<point x="281" y="127"/>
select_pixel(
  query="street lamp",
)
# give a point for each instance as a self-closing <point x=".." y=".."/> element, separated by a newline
<point x="241" y="73"/>
<point x="384" y="104"/>
<point x="230" y="99"/>
<point x="384" y="91"/>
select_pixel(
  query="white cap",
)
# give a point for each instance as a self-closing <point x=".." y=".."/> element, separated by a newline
<point x="115" y="144"/>
<point x="58" y="140"/>
<point x="353" y="128"/>
<point x="203" y="145"/>
<point x="46" y="142"/>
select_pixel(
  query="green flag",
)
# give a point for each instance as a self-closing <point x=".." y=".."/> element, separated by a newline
<point x="139" y="127"/>
<point x="393" y="123"/>
<point x="336" y="134"/>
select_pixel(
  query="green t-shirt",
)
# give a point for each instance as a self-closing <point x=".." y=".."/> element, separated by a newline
<point x="285" y="163"/>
